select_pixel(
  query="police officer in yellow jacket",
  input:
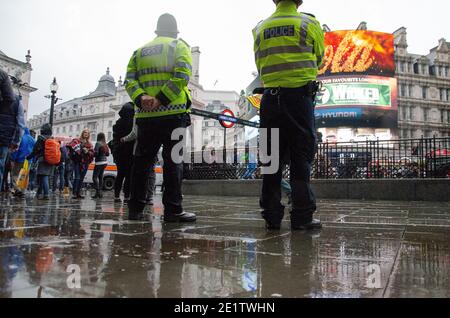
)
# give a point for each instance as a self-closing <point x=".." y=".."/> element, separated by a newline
<point x="289" y="49"/>
<point x="157" y="79"/>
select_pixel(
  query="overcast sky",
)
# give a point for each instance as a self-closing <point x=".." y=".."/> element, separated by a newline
<point x="76" y="40"/>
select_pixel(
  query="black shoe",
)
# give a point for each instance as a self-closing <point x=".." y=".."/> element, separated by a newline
<point x="271" y="226"/>
<point x="273" y="219"/>
<point x="117" y="200"/>
<point x="313" y="225"/>
<point x="184" y="217"/>
<point x="150" y="202"/>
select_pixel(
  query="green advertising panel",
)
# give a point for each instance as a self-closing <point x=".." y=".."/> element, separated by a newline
<point x="355" y="94"/>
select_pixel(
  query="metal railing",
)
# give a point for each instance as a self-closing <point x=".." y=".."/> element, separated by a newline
<point x="377" y="159"/>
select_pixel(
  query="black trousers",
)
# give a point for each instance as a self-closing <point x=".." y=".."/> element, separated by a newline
<point x="292" y="112"/>
<point x="151" y="180"/>
<point x="123" y="178"/>
<point x="97" y="177"/>
<point x="152" y="134"/>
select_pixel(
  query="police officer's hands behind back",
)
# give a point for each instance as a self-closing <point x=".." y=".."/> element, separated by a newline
<point x="149" y="103"/>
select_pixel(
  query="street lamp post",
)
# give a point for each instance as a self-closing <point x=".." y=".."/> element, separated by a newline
<point x="54" y="89"/>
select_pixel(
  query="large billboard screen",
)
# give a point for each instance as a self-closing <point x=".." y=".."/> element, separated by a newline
<point x="359" y="88"/>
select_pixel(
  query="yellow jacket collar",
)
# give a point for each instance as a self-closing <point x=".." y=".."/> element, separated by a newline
<point x="286" y="7"/>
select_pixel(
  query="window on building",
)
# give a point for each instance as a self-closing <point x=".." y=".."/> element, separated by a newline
<point x="424" y="92"/>
<point x="67" y="113"/>
<point x="57" y="130"/>
<point x="64" y="130"/>
<point x="405" y="112"/>
<point x="443" y="94"/>
<point x="433" y="70"/>
<point x="425" y="114"/>
<point x="74" y="112"/>
<point x="110" y="123"/>
<point x="402" y="90"/>
<point x="402" y="67"/>
<point x="411" y="113"/>
<point x="405" y="133"/>
<point x="446" y="72"/>
<point x="78" y="127"/>
<point x="416" y="68"/>
<point x="410" y="91"/>
<point x="428" y="134"/>
<point x="442" y="116"/>
<point x="70" y="128"/>
<point x="92" y="126"/>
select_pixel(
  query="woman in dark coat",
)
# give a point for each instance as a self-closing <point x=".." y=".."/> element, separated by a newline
<point x="123" y="152"/>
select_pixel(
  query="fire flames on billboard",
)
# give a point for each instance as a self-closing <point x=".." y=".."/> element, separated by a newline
<point x="358" y="51"/>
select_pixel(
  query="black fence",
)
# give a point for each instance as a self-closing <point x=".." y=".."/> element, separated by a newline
<point x="394" y="159"/>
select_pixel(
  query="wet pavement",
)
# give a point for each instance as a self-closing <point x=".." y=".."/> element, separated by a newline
<point x="367" y="249"/>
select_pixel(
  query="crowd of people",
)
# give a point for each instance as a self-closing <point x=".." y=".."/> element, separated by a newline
<point x="61" y="167"/>
<point x="50" y="165"/>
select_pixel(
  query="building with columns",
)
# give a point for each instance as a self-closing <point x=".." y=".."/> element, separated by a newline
<point x="424" y="89"/>
<point x="96" y="111"/>
<point x="22" y="72"/>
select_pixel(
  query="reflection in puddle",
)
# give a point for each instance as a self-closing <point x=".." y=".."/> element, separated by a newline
<point x="228" y="256"/>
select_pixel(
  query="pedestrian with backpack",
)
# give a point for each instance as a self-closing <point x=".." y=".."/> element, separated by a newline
<point x="101" y="152"/>
<point x="82" y="154"/>
<point x="47" y="154"/>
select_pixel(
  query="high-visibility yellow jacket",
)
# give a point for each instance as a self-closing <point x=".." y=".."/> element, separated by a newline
<point x="289" y="47"/>
<point x="162" y="69"/>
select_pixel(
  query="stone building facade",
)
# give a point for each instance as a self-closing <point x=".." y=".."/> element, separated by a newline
<point x="96" y="111"/>
<point x="424" y="89"/>
<point x="21" y="71"/>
